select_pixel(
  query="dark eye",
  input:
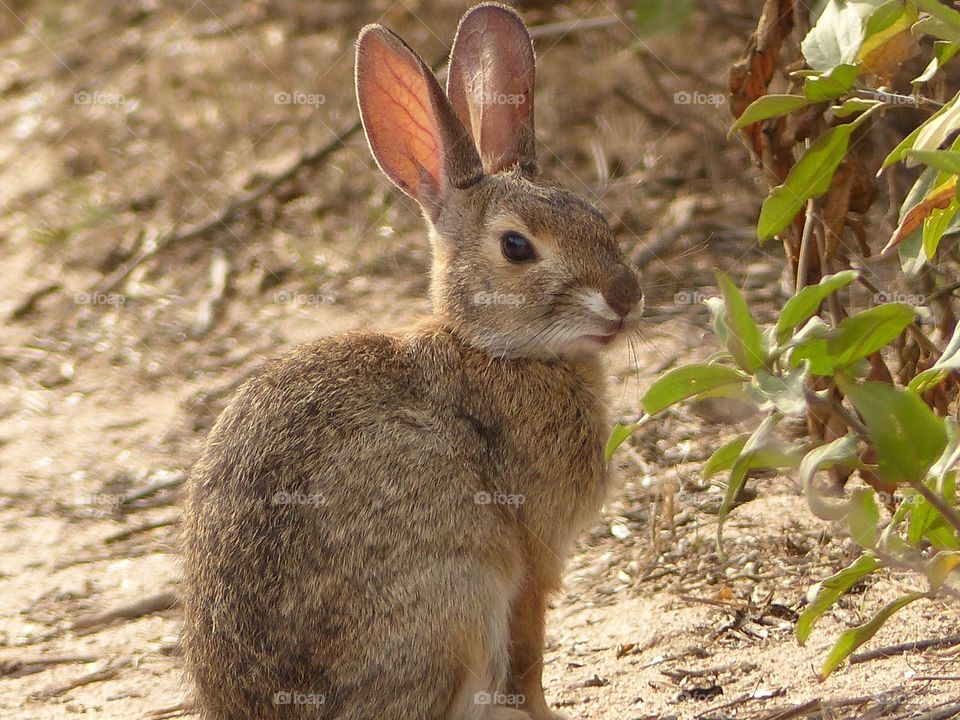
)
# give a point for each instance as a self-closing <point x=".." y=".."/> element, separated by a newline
<point x="516" y="248"/>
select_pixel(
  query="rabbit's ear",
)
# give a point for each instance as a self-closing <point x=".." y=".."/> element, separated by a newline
<point x="413" y="132"/>
<point x="490" y="85"/>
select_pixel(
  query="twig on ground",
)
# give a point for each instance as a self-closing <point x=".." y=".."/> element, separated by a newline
<point x="178" y="710"/>
<point x="107" y="673"/>
<point x="29" y="665"/>
<point x="943" y="713"/>
<point x="681" y="673"/>
<point x="892" y="650"/>
<point x="175" y="480"/>
<point x="145" y="527"/>
<point x="145" y="606"/>
<point x="230" y="211"/>
<point x="818" y="706"/>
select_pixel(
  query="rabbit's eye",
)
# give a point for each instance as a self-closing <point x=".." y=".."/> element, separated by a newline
<point x="516" y="248"/>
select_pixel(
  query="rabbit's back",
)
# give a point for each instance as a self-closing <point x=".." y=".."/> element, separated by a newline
<point x="364" y="503"/>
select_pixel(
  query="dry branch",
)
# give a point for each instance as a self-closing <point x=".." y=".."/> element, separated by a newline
<point x="892" y="650"/>
<point x="145" y="606"/>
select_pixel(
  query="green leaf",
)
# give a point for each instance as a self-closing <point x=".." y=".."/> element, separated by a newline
<point x="868" y="331"/>
<point x="940" y="566"/>
<point x="929" y="25"/>
<point x="802" y="306"/>
<point x="927" y="379"/>
<point x="742" y="335"/>
<point x="943" y="52"/>
<point x="836" y="37"/>
<point x="831" y="84"/>
<point x="884" y="17"/>
<point x="855" y="637"/>
<point x="856" y="337"/>
<point x="951" y="353"/>
<point x="941" y="12"/>
<point x="842" y="451"/>
<point x="938" y="128"/>
<point x="810" y="177"/>
<point x="854" y="106"/>
<point x="936" y="225"/>
<point x="724" y="456"/>
<point x="784" y="392"/>
<point x="945" y="160"/>
<point x="887" y="22"/>
<point x="761" y="450"/>
<point x="654" y="17"/>
<point x="687" y="381"/>
<point x="949" y="360"/>
<point x="926" y="523"/>
<point x="618" y="436"/>
<point x="907" y="435"/>
<point x="911" y="251"/>
<point x="831" y="590"/>
<point x="863" y="517"/>
<point x="768" y="106"/>
<point x="908" y="142"/>
<point x="951" y="454"/>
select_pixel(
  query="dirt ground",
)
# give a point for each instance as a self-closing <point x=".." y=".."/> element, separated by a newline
<point x="133" y="306"/>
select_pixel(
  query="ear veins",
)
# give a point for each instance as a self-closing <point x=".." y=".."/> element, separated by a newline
<point x="418" y="126"/>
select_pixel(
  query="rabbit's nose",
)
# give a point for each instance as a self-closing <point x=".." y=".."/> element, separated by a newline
<point x="623" y="292"/>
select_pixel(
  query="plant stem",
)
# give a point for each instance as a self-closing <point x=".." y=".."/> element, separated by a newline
<point x="897" y="100"/>
<point x="806" y="246"/>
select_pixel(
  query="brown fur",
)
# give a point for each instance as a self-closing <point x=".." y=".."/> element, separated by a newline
<point x="338" y="541"/>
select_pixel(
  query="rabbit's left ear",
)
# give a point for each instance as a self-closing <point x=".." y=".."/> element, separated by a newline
<point x="412" y="131"/>
<point x="490" y="85"/>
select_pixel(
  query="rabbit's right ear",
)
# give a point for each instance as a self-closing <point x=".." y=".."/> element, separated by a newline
<point x="490" y="84"/>
<point x="413" y="132"/>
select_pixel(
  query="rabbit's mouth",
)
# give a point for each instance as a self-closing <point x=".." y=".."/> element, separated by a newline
<point x="609" y="334"/>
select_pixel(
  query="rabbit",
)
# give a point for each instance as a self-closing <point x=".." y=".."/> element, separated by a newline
<point x="376" y="521"/>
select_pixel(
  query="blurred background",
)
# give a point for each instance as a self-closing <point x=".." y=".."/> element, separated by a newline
<point x="184" y="193"/>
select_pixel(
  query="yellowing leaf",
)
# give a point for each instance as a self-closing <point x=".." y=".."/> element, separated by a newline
<point x="938" y="198"/>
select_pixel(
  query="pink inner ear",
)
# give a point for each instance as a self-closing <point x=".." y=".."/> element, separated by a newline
<point x="397" y="115"/>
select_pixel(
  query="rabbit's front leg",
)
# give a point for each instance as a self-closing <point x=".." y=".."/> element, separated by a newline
<point x="525" y="681"/>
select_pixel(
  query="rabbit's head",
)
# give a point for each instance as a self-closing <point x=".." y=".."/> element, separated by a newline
<point x="522" y="267"/>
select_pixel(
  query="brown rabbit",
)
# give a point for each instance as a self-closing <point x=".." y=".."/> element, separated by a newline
<point x="377" y="520"/>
